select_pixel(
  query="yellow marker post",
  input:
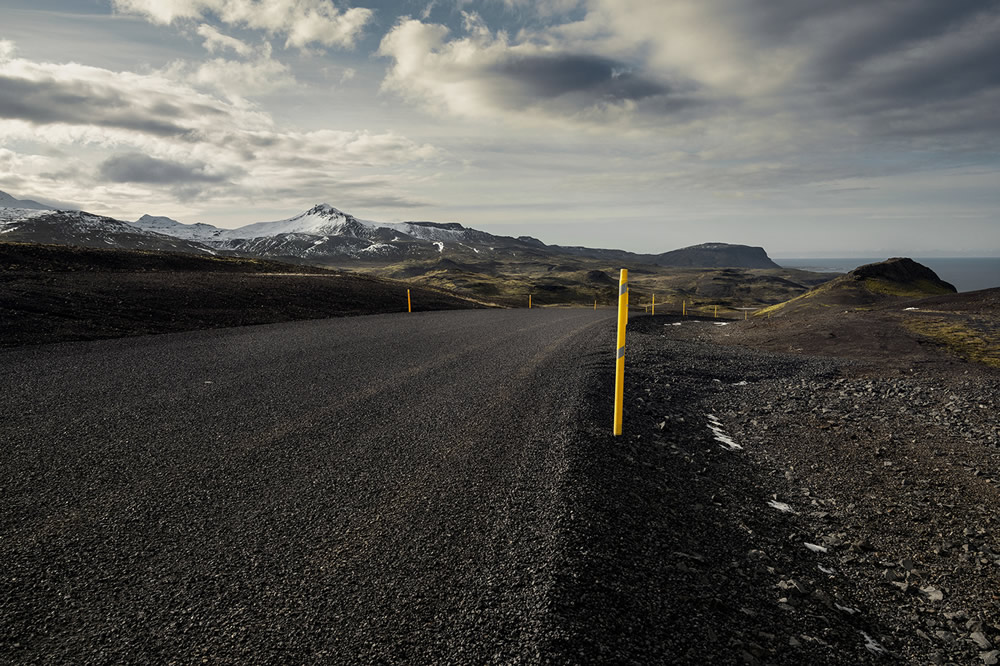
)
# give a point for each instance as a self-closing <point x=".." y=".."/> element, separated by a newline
<point x="716" y="311"/>
<point x="529" y="301"/>
<point x="684" y="309"/>
<point x="654" y="305"/>
<point x="409" y="304"/>
<point x="745" y="313"/>
<point x="595" y="303"/>
<point x="620" y="354"/>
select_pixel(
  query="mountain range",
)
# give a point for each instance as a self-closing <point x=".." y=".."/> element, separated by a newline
<point x="325" y="235"/>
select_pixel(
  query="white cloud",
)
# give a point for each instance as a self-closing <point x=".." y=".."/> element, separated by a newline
<point x="236" y="79"/>
<point x="159" y="124"/>
<point x="7" y="49"/>
<point x="703" y="40"/>
<point x="741" y="78"/>
<point x="259" y="75"/>
<point x="302" y="22"/>
<point x="488" y="75"/>
<point x="216" y="41"/>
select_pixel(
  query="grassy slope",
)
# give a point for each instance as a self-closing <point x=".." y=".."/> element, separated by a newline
<point x="580" y="281"/>
<point x="847" y="292"/>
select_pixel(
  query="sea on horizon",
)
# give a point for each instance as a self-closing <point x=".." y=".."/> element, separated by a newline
<point x="966" y="273"/>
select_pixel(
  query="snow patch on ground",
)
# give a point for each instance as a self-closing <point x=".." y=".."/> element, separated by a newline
<point x="780" y="506"/>
<point x="440" y="246"/>
<point x="720" y="436"/>
<point x="872" y="645"/>
<point x="814" y="548"/>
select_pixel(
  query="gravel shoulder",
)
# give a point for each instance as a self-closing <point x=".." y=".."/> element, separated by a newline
<point x="782" y="508"/>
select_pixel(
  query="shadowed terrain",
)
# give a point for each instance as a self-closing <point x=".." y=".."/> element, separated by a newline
<point x="58" y="293"/>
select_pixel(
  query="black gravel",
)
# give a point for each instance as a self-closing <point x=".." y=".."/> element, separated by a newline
<point x="443" y="488"/>
<point x="891" y="480"/>
<point x="366" y="490"/>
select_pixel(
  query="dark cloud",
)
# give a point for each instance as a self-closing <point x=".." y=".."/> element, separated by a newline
<point x="139" y="168"/>
<point x="357" y="193"/>
<point x="384" y="201"/>
<point x="892" y="68"/>
<point x="954" y="75"/>
<point x="548" y="76"/>
<point x="948" y="86"/>
<point x="78" y="103"/>
<point x="872" y="30"/>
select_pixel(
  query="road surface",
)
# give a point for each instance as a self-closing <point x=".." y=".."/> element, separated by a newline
<point x="372" y="489"/>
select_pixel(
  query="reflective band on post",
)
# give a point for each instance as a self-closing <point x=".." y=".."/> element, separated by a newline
<point x="623" y="289"/>
<point x="621" y="352"/>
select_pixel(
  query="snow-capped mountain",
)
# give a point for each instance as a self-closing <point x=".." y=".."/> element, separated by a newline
<point x="7" y="201"/>
<point x="321" y="220"/>
<point x="194" y="232"/>
<point x="8" y="215"/>
<point x="73" y="227"/>
<point x="325" y="220"/>
<point x="321" y="234"/>
<point x="325" y="233"/>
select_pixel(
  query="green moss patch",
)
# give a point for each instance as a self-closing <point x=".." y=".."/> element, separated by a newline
<point x="959" y="338"/>
<point x="916" y="289"/>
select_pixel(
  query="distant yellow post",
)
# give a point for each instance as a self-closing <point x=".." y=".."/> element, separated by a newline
<point x="409" y="304"/>
<point x="745" y="313"/>
<point x="620" y="356"/>
<point x="529" y="301"/>
<point x="716" y="311"/>
<point x="684" y="308"/>
<point x="595" y="303"/>
<point x="654" y="305"/>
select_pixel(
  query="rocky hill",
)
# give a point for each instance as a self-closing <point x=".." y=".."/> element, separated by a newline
<point x="716" y="255"/>
<point x="867" y="286"/>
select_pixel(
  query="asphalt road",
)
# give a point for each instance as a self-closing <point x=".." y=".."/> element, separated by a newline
<point x="372" y="489"/>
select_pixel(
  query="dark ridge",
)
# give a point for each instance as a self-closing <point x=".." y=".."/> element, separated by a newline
<point x="530" y="240"/>
<point x="899" y="269"/>
<point x="716" y="255"/>
<point x="450" y="226"/>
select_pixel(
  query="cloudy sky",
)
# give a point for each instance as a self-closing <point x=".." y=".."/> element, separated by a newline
<point x="821" y="127"/>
